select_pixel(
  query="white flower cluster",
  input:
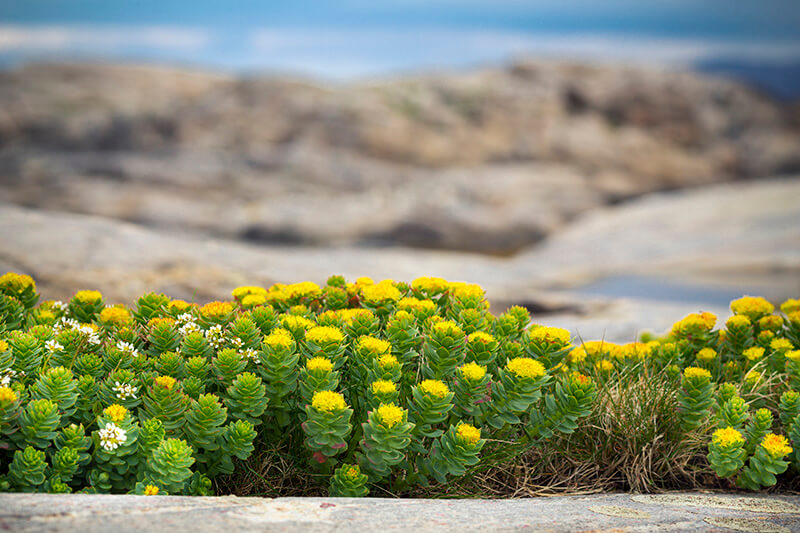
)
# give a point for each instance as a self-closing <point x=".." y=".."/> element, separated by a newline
<point x="71" y="323"/>
<point x="124" y="390"/>
<point x="53" y="346"/>
<point x="112" y="436"/>
<point x="215" y="336"/>
<point x="90" y="333"/>
<point x="237" y="342"/>
<point x="7" y="375"/>
<point x="128" y="348"/>
<point x="58" y="304"/>
<point x="250" y="354"/>
<point x="66" y="323"/>
<point x="187" y="324"/>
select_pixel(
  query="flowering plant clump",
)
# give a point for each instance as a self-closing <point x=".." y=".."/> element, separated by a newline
<point x="366" y="386"/>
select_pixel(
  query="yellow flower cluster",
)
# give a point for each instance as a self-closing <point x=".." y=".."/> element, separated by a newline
<point x="550" y="335"/>
<point x="3" y="346"/>
<point x="693" y="372"/>
<point x="373" y="346"/>
<point x="160" y="321"/>
<point x="324" y="335"/>
<point x="241" y="292"/>
<point x="328" y="401"/>
<point x="381" y="293"/>
<point x="383" y="386"/>
<point x="525" y="367"/>
<point x="460" y="289"/>
<point x="706" y="355"/>
<point x="179" y="305"/>
<point x="88" y="297"/>
<point x="753" y="307"/>
<point x="726" y="437"/>
<point x="738" y="322"/>
<point x="754" y="353"/>
<point x="430" y="285"/>
<point x="781" y="345"/>
<point x="319" y="364"/>
<point x="776" y="445"/>
<point x="434" y="387"/>
<point x="7" y="394"/>
<point x="448" y="328"/>
<point x="793" y="355"/>
<point x="481" y="337"/>
<point x="115" y="316"/>
<point x="387" y="361"/>
<point x="635" y="350"/>
<point x="694" y="324"/>
<point x="297" y="322"/>
<point x="279" y="337"/>
<point x="389" y="415"/>
<point x="771" y="322"/>
<point x="752" y="377"/>
<point x="352" y="473"/>
<point x="116" y="413"/>
<point x="150" y="490"/>
<point x="304" y="289"/>
<point x="790" y="306"/>
<point x="468" y="434"/>
<point x="216" y="309"/>
<point x="604" y="365"/>
<point x="252" y="300"/>
<point x="13" y="282"/>
<point x="410" y="303"/>
<point x="165" y="381"/>
<point x="473" y="372"/>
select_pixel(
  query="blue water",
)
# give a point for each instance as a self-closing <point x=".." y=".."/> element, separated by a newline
<point x="347" y="38"/>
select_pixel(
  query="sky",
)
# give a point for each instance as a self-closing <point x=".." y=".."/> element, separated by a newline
<point x="352" y="38"/>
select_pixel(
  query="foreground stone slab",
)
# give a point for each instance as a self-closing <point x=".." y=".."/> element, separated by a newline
<point x="606" y="512"/>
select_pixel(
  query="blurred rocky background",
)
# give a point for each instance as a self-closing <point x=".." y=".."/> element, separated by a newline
<point x="604" y="196"/>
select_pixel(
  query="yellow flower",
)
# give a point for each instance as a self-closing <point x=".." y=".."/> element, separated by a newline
<point x="3" y="346"/>
<point x="279" y="337"/>
<point x="380" y="293"/>
<point x="793" y="355"/>
<point x="116" y="412"/>
<point x="777" y="446"/>
<point x="150" y="490"/>
<point x="304" y="289"/>
<point x="324" y="335"/>
<point x="753" y="307"/>
<point x="13" y="282"/>
<point x="88" y="297"/>
<point x="319" y="364"/>
<point x="752" y="377"/>
<point x="160" y="321"/>
<point x="387" y="360"/>
<point x="706" y="354"/>
<point x="389" y="415"/>
<point x="7" y="394"/>
<point x="465" y="290"/>
<point x="550" y="335"/>
<point x="771" y="322"/>
<point x="692" y="372"/>
<point x="241" y="292"/>
<point x="754" y="354"/>
<point x="403" y="315"/>
<point x="635" y="350"/>
<point x="115" y="316"/>
<point x="352" y="472"/>
<point x="364" y="280"/>
<point x="581" y="379"/>
<point x="415" y="304"/>
<point x="482" y="337"/>
<point x="597" y="348"/>
<point x="448" y="328"/>
<point x="604" y="365"/>
<point x="577" y="356"/>
<point x="780" y="345"/>
<point x="165" y="381"/>
<point x="694" y="324"/>
<point x="328" y="401"/>
<point x="216" y="309"/>
<point x="252" y="300"/>
<point x="383" y="386"/>
<point x="790" y="306"/>
<point x="726" y="437"/>
<point x="179" y="305"/>
<point x="473" y="372"/>
<point x="297" y="322"/>
<point x="373" y="346"/>
<point x="738" y="321"/>
<point x="794" y="317"/>
<point x="468" y="434"/>
<point x="348" y="315"/>
<point x="430" y="285"/>
<point x="525" y="367"/>
<point x="434" y="387"/>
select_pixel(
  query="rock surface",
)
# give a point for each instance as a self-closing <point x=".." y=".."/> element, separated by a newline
<point x="610" y="275"/>
<point x="605" y="512"/>
<point x="489" y="160"/>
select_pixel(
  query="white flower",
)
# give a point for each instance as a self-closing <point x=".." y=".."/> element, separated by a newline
<point x="237" y="342"/>
<point x="54" y="346"/>
<point x="185" y="318"/>
<point x="67" y="323"/>
<point x="189" y="327"/>
<point x="251" y="354"/>
<point x="58" y="304"/>
<point x="127" y="347"/>
<point x="124" y="390"/>
<point x="214" y="336"/>
<point x="112" y="436"/>
<point x="7" y="376"/>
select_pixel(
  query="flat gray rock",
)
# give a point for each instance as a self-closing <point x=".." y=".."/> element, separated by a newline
<point x="602" y="512"/>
